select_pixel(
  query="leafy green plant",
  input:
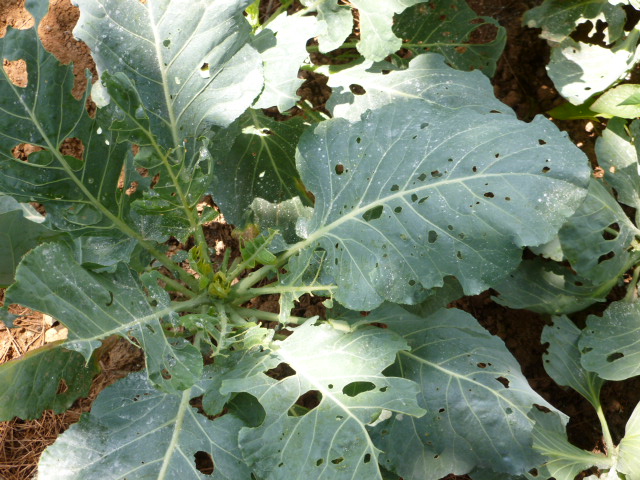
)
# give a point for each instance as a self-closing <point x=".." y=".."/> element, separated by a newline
<point x="421" y="187"/>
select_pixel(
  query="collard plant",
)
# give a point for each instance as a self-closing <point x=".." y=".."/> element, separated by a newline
<point x="420" y="188"/>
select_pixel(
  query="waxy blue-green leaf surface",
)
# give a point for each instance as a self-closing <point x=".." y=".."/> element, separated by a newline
<point x="137" y="432"/>
<point x="476" y="397"/>
<point x="417" y="191"/>
<point x="49" y="377"/>
<point x="94" y="306"/>
<point x="331" y="441"/>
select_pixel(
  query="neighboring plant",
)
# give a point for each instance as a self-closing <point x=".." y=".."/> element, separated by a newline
<point x="422" y="187"/>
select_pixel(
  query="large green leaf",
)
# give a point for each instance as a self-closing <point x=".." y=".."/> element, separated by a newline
<point x="21" y="230"/>
<point x="330" y="441"/>
<point x="597" y="239"/>
<point x="94" y="306"/>
<point x="144" y="434"/>
<point x="49" y="377"/>
<point x="258" y="161"/>
<point x="562" y="360"/>
<point x="190" y="60"/>
<point x="416" y="191"/>
<point x="629" y="448"/>
<point x="427" y="77"/>
<point x="446" y="27"/>
<point x="476" y="398"/>
<point x="610" y="344"/>
<point x="335" y="23"/>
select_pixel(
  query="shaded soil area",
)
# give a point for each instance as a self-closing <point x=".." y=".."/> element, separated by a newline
<point x="521" y="82"/>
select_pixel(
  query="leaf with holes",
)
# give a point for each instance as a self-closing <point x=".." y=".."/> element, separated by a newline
<point x="339" y="373"/>
<point x="145" y="434"/>
<point x="50" y="377"/>
<point x="416" y="191"/>
<point x="476" y="398"/>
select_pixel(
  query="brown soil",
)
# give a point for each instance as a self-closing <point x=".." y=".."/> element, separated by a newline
<point x="521" y="82"/>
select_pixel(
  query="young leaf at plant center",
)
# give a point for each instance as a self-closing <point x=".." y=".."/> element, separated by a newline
<point x="446" y="27"/>
<point x="427" y="78"/>
<point x="562" y="360"/>
<point x="610" y="344"/>
<point x="404" y="197"/>
<point x="612" y="102"/>
<point x="190" y="61"/>
<point x="335" y="23"/>
<point x="49" y="377"/>
<point x="597" y="239"/>
<point x="283" y="47"/>
<point x="565" y="460"/>
<point x="476" y="398"/>
<point x="255" y="158"/>
<point x="331" y="440"/>
<point x="163" y="430"/>
<point x="549" y="287"/>
<point x="559" y="18"/>
<point x="21" y="230"/>
<point x="94" y="306"/>
<point x="618" y="158"/>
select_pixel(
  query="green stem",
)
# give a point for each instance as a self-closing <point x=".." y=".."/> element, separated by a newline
<point x="275" y="289"/>
<point x="268" y="316"/>
<point x="176" y="286"/>
<point x="606" y="434"/>
<point x="282" y="8"/>
<point x="254" y="277"/>
<point x="307" y="108"/>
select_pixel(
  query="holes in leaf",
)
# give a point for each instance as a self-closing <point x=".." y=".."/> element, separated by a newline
<point x="606" y="257"/>
<point x="541" y="142"/>
<point x="16" y="70"/>
<point x="474" y="169"/>
<point x="497" y="155"/>
<point x="542" y="408"/>
<point x="422" y="200"/>
<point x="166" y="42"/>
<point x="436" y="174"/>
<point x="204" y="462"/>
<point x="481" y="365"/>
<point x="508" y="199"/>
<point x="489" y="195"/>
<point x="508" y="411"/>
<point x="395" y="188"/>
<point x="533" y="472"/>
<point x="357" y="89"/>
<point x="319" y="462"/>
<point x="422" y="177"/>
<point x="546" y="169"/>
<point x="503" y="381"/>
<point x="358" y="139"/>
<point x="432" y="236"/>
<point x="450" y="228"/>
<point x="442" y="410"/>
<point x="150" y="328"/>
<point x="280" y="371"/>
<point x="23" y="150"/>
<point x="614" y="356"/>
<point x="367" y="458"/>
<point x="165" y="374"/>
<point x="459" y="255"/>
<point x="611" y="232"/>
<point x="397" y="209"/>
<point x="110" y="302"/>
<point x="356" y="388"/>
<point x="412" y="283"/>
<point x="308" y="401"/>
<point x="338" y="460"/>
<point x="339" y="169"/>
<point x="373" y="213"/>
<point x="424" y="125"/>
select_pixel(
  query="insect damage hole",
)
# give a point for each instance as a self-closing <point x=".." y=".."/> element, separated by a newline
<point x="373" y="213"/>
<point x="357" y="89"/>
<point x="204" y="462"/>
<point x="17" y="72"/>
<point x="503" y="381"/>
<point x="305" y="403"/>
<point x="62" y="387"/>
<point x="614" y="356"/>
<point x="356" y="388"/>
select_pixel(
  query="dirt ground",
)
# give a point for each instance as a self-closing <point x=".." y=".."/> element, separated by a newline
<point x="521" y="82"/>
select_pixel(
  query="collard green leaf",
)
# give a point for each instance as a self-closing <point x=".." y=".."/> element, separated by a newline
<point x="93" y="306"/>
<point x="612" y="102"/>
<point x="255" y="158"/>
<point x="283" y="47"/>
<point x="619" y="159"/>
<point x="610" y="344"/>
<point x="559" y="18"/>
<point x="144" y="434"/>
<point x="547" y="287"/>
<point x="446" y="27"/>
<point x="565" y="460"/>
<point x="629" y="448"/>
<point x="579" y="70"/>
<point x="32" y="383"/>
<point x="476" y="398"/>
<point x="335" y="23"/>
<point x="21" y="230"/>
<point x="597" y="239"/>
<point x="562" y="360"/>
<point x="330" y="441"/>
<point x="190" y="60"/>
<point x="427" y="78"/>
<point x="416" y="191"/>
